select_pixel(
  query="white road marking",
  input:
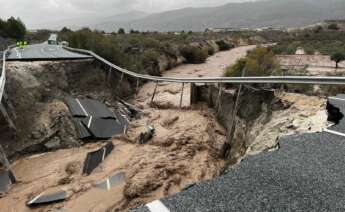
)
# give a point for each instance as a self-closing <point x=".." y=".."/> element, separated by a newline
<point x="89" y="123"/>
<point x="335" y="98"/>
<point x="334" y="132"/>
<point x="34" y="199"/>
<point x="108" y="184"/>
<point x="83" y="109"/>
<point x="157" y="206"/>
<point x="103" y="156"/>
<point x="19" y="55"/>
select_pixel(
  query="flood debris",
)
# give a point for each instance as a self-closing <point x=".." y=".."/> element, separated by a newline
<point x="7" y="178"/>
<point x="93" y="159"/>
<point x="93" y="119"/>
<point x="111" y="181"/>
<point x="133" y="111"/>
<point x="47" y="198"/>
<point x="144" y="137"/>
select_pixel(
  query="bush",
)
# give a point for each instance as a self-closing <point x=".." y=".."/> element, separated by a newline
<point x="210" y="50"/>
<point x="259" y="62"/>
<point x="333" y="27"/>
<point x="224" y="46"/>
<point x="150" y="62"/>
<point x="194" y="55"/>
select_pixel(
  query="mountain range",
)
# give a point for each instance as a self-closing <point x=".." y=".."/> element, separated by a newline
<point x="264" y="13"/>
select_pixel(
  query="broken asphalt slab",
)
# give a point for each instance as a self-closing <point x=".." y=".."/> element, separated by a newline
<point x="103" y="128"/>
<point x="305" y="174"/>
<point x="93" y="159"/>
<point x="112" y="181"/>
<point x="88" y="107"/>
<point x="43" y="198"/>
<point x="93" y="119"/>
<point x="7" y="178"/>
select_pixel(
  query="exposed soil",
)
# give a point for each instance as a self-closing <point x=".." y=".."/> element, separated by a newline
<point x="297" y="114"/>
<point x="186" y="148"/>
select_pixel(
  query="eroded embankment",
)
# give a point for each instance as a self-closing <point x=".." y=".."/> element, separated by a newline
<point x="262" y="116"/>
<point x="189" y="145"/>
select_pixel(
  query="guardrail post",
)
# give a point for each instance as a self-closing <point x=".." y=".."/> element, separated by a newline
<point x="137" y="88"/>
<point x="121" y="77"/>
<point x="218" y="102"/>
<point x="109" y="76"/>
<point x="181" y="95"/>
<point x="154" y="92"/>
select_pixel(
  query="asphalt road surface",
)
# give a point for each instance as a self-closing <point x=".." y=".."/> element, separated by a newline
<point x="44" y="51"/>
<point x="305" y="174"/>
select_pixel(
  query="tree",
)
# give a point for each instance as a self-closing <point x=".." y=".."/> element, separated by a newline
<point x="15" y="28"/>
<point x="333" y="26"/>
<point x="65" y="30"/>
<point x="337" y="58"/>
<point x="121" y="31"/>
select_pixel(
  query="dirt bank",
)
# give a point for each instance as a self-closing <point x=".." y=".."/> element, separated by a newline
<point x="181" y="153"/>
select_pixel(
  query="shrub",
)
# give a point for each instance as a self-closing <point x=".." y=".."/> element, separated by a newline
<point x="150" y="62"/>
<point x="194" y="55"/>
<point x="210" y="50"/>
<point x="333" y="27"/>
<point x="259" y="62"/>
<point x="224" y="46"/>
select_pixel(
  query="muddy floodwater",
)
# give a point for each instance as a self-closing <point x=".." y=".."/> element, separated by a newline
<point x="187" y="148"/>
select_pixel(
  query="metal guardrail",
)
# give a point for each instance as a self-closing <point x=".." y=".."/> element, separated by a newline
<point x="3" y="71"/>
<point x="3" y="74"/>
<point x="322" y="80"/>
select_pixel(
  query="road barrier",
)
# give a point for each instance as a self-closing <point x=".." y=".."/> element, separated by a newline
<point x="3" y="74"/>
<point x="317" y="80"/>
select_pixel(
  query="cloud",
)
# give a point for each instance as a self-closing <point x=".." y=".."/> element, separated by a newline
<point x="34" y="12"/>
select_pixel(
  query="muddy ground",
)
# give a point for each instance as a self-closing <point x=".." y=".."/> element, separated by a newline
<point x="187" y="148"/>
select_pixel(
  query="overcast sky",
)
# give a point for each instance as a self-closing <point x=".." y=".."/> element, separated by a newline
<point x="33" y="12"/>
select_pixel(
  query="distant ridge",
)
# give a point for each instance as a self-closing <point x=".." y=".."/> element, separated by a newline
<point x="273" y="13"/>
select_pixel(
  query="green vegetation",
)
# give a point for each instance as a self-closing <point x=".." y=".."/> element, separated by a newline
<point x="317" y="39"/>
<point x="333" y="26"/>
<point x="121" y="31"/>
<point x="142" y="52"/>
<point x="12" y="28"/>
<point x="194" y="54"/>
<point x="224" y="46"/>
<point x="259" y="62"/>
<point x="337" y="58"/>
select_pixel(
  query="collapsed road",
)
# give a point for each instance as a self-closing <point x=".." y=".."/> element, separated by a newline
<point x="146" y="170"/>
<point x="181" y="152"/>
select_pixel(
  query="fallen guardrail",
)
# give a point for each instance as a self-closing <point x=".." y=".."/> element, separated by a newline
<point x="322" y="80"/>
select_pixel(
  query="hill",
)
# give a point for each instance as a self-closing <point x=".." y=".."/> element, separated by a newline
<point x="274" y="13"/>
